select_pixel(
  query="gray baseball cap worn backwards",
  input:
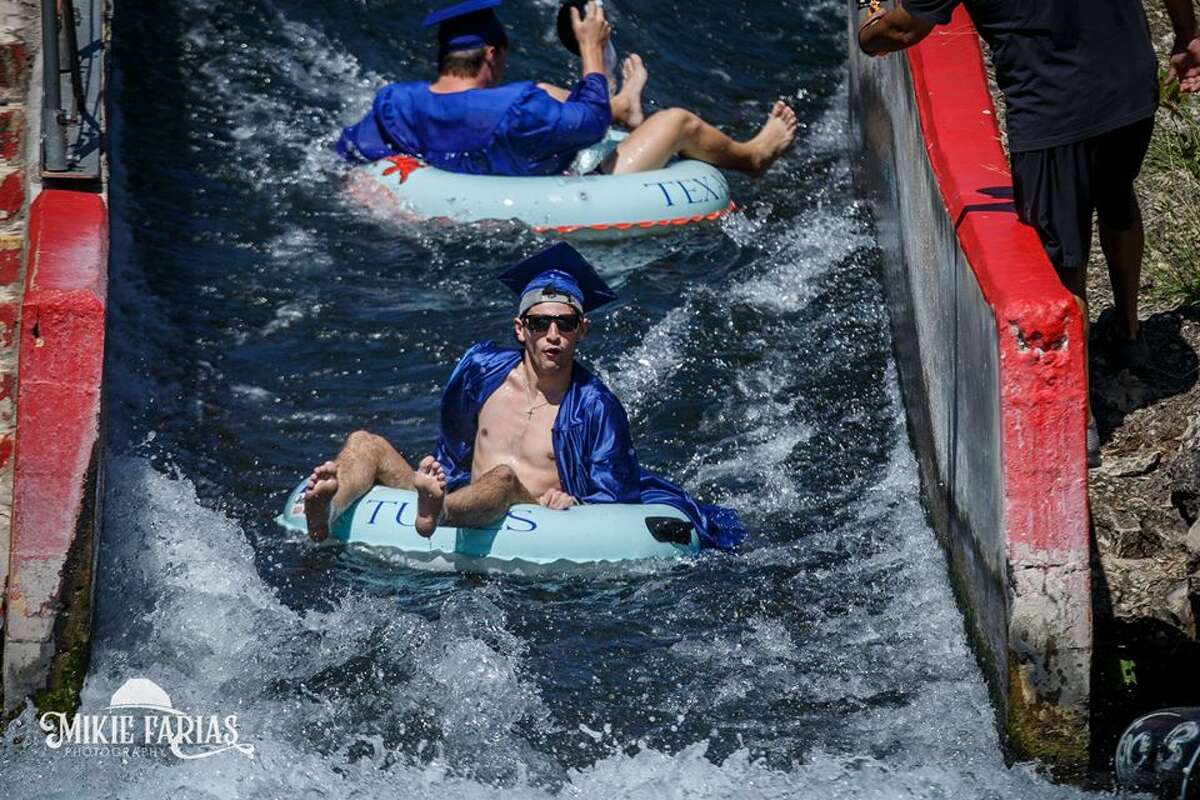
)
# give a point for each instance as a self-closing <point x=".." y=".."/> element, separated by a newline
<point x="558" y="274"/>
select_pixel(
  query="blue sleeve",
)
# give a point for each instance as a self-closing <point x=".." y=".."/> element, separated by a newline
<point x="612" y="466"/>
<point x="364" y="141"/>
<point x="936" y="12"/>
<point x="382" y="131"/>
<point x="588" y="108"/>
<point x="456" y="438"/>
<point x="543" y="129"/>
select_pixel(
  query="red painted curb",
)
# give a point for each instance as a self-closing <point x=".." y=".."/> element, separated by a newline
<point x="58" y="403"/>
<point x="1039" y="326"/>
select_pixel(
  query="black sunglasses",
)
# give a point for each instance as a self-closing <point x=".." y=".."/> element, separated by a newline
<point x="540" y="323"/>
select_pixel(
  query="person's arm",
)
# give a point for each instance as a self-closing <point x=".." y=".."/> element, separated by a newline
<point x="546" y="125"/>
<point x="1185" y="55"/>
<point x="364" y="141"/>
<point x="889" y="31"/>
<point x="619" y="104"/>
<point x="591" y="32"/>
<point x="557" y="92"/>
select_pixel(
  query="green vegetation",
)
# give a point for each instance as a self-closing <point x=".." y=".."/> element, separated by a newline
<point x="66" y="680"/>
<point x="1170" y="188"/>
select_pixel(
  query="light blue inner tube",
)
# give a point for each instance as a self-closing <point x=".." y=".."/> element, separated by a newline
<point x="581" y="206"/>
<point x="530" y="534"/>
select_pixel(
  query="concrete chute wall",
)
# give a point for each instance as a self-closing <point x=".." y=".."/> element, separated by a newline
<point x="54" y="320"/>
<point x="56" y="486"/>
<point x="990" y="349"/>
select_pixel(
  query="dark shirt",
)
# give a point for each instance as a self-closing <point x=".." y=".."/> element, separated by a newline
<point x="1069" y="69"/>
<point x="514" y="129"/>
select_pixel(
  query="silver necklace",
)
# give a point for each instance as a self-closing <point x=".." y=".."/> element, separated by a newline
<point x="528" y="394"/>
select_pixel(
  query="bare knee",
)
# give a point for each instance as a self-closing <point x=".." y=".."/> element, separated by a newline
<point x="682" y="119"/>
<point x="363" y="442"/>
<point x="361" y="438"/>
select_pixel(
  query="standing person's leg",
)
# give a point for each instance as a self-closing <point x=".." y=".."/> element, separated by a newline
<point x="1117" y="162"/>
<point x="1075" y="282"/>
<point x="1123" y="250"/>
<point x="476" y="505"/>
<point x="679" y="131"/>
<point x="364" y="461"/>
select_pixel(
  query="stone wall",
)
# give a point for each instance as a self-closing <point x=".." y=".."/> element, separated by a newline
<point x="17" y="24"/>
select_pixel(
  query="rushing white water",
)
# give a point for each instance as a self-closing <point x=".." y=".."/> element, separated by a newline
<point x="184" y="605"/>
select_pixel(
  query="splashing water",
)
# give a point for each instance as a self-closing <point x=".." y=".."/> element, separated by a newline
<point x="258" y="316"/>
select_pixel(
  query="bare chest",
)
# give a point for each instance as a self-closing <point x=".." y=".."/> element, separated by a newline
<point x="515" y="431"/>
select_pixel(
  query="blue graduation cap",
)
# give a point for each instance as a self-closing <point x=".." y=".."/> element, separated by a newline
<point x="558" y="274"/>
<point x="468" y="25"/>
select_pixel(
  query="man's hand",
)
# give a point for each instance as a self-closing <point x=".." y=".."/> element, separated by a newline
<point x="1185" y="64"/>
<point x="864" y="41"/>
<point x="556" y="500"/>
<point x="591" y="31"/>
<point x="888" y="31"/>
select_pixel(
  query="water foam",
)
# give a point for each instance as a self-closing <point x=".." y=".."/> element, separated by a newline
<point x="361" y="698"/>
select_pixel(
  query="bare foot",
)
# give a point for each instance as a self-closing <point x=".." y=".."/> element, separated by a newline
<point x="634" y="81"/>
<point x="318" y="500"/>
<point x="430" y="483"/>
<point x="774" y="138"/>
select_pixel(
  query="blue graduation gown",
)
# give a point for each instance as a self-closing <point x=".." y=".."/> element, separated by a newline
<point x="514" y="129"/>
<point x="596" y="460"/>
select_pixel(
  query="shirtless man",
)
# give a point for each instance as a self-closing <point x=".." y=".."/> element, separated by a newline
<point x="518" y="426"/>
<point x="469" y="121"/>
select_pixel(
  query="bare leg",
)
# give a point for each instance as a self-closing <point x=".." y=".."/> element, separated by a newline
<point x="474" y="506"/>
<point x="627" y="103"/>
<point x="678" y="130"/>
<point x="486" y="500"/>
<point x="1123" y="251"/>
<point x="365" y="460"/>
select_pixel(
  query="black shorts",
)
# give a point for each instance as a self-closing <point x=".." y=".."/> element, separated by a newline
<point x="1057" y="189"/>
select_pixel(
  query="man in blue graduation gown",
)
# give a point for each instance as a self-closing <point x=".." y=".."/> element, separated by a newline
<point x="468" y="121"/>
<point x="520" y="425"/>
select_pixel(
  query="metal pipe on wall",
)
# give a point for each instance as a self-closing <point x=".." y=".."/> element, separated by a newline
<point x="54" y="135"/>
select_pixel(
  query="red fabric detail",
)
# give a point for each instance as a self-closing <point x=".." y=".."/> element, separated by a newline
<point x="405" y="165"/>
<point x="624" y="226"/>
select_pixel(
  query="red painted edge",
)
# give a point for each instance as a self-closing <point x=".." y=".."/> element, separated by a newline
<point x="60" y="368"/>
<point x="1040" y="329"/>
<point x="624" y="226"/>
